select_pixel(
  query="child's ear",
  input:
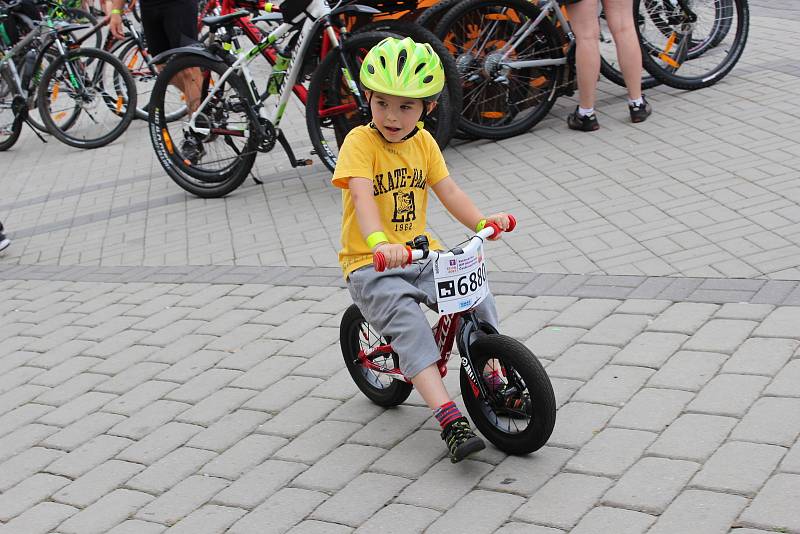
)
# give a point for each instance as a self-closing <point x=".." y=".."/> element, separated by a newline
<point x="431" y="106"/>
<point x="368" y="94"/>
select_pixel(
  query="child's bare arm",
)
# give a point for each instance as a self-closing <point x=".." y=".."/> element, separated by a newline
<point x="461" y="206"/>
<point x="369" y="221"/>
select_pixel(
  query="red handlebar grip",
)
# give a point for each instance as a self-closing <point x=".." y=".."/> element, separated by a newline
<point x="497" y="229"/>
<point x="410" y="257"/>
<point x="379" y="261"/>
<point x="512" y="223"/>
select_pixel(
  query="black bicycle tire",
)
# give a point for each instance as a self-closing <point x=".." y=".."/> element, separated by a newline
<point x="100" y="61"/>
<point x="422" y="35"/>
<point x="396" y="393"/>
<point x="543" y="404"/>
<point x="33" y="119"/>
<point x="717" y="73"/>
<point x="431" y="17"/>
<point x="554" y="44"/>
<point x="221" y="184"/>
<point x="16" y="126"/>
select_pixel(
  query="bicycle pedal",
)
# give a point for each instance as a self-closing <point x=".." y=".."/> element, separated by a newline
<point x="304" y="162"/>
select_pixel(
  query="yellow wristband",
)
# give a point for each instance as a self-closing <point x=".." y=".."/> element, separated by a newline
<point x="117" y="12"/>
<point x="375" y="238"/>
<point x="481" y="225"/>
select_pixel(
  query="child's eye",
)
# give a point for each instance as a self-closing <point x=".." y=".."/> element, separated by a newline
<point x="405" y="107"/>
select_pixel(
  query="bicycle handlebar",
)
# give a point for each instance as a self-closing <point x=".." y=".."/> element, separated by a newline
<point x="491" y="229"/>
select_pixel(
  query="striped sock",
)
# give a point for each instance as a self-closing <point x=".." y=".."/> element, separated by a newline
<point x="447" y="413"/>
<point x="493" y="380"/>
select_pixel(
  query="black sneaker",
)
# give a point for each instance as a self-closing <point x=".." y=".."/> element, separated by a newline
<point x="192" y="150"/>
<point x="641" y="112"/>
<point x="583" y="123"/>
<point x="4" y="241"/>
<point x="461" y="441"/>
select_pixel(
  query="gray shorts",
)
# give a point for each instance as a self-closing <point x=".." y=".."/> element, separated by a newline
<point x="390" y="302"/>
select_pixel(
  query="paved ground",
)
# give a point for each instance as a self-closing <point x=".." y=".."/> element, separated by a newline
<point x="170" y="364"/>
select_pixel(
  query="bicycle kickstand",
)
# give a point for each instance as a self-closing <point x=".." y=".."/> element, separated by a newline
<point x="294" y="161"/>
<point x="42" y="139"/>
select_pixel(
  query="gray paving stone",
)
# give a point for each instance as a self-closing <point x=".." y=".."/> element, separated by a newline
<point x="611" y="452"/>
<point x="693" y="437"/>
<point x="107" y="512"/>
<point x="259" y="483"/>
<point x="280" y="512"/>
<point x="761" y="356"/>
<point x="317" y="441"/>
<point x="478" y="511"/>
<point x="651" y="409"/>
<point x="360" y="499"/>
<point x="170" y="470"/>
<point x="444" y="484"/>
<point x="215" y="406"/>
<point x="209" y="519"/>
<point x="188" y="368"/>
<point x="739" y="467"/>
<point x="650" y="484"/>
<point x="340" y="387"/>
<point x="131" y="377"/>
<point x="228" y="430"/>
<point x="605" y="519"/>
<point x="399" y="519"/>
<point x="171" y="333"/>
<point x="148" y="419"/>
<point x="282" y="394"/>
<point x="683" y="318"/>
<point x="413" y="456"/>
<point x="527" y="528"/>
<point x="71" y="388"/>
<point x="159" y="443"/>
<point x="720" y="335"/>
<point x="581" y="362"/>
<point x="785" y="382"/>
<point x="771" y="420"/>
<point x="25" y="464"/>
<point x="689" y="513"/>
<point x="22" y="416"/>
<point x="299" y="417"/>
<point x="585" y="313"/>
<point x="139" y="397"/>
<point x="389" y="428"/>
<point x="791" y="462"/>
<point x="319" y="527"/>
<point x="616" y="330"/>
<point x="28" y="493"/>
<point x="238" y="337"/>
<point x="271" y="369"/>
<point x="563" y="500"/>
<point x="41" y="519"/>
<point x="338" y="468"/>
<point x="552" y="341"/>
<point x="245" y="454"/>
<point x="525" y="323"/>
<point x="613" y="385"/>
<point x="728" y="394"/>
<point x="744" y="310"/>
<point x="203" y="385"/>
<point x="226" y="322"/>
<point x="98" y="482"/>
<point x="578" y="422"/>
<point x="780" y="323"/>
<point x="88" y="456"/>
<point x="650" y="349"/>
<point x="525" y="475"/>
<point x="64" y="371"/>
<point x="687" y="370"/>
<point x="774" y="506"/>
<point x="323" y="364"/>
<point x="177" y="350"/>
<point x="181" y="500"/>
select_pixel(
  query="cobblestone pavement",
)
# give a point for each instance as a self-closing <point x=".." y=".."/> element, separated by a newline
<point x="170" y="364"/>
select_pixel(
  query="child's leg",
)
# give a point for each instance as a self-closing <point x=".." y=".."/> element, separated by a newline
<point x="431" y="387"/>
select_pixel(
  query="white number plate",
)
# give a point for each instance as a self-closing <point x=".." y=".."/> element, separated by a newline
<point x="460" y="281"/>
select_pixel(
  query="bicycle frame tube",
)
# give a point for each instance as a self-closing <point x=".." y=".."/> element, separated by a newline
<point x="548" y="7"/>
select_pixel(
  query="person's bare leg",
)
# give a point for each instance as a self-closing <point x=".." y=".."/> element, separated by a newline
<point x="585" y="26"/>
<point x="429" y="384"/>
<point x="619" y="16"/>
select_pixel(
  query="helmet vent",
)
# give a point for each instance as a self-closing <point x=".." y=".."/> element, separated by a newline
<point x="383" y="62"/>
<point x="370" y="68"/>
<point x="419" y="68"/>
<point x="427" y="79"/>
<point x="401" y="61"/>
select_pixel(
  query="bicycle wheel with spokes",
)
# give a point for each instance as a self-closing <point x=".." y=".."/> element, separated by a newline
<point x="99" y="85"/>
<point x="356" y="335"/>
<point x="493" y="43"/>
<point x="691" y="44"/>
<point x="10" y="124"/>
<point x="609" y="64"/>
<point x="144" y="74"/>
<point x="520" y="415"/>
<point x="210" y="151"/>
<point x="332" y="110"/>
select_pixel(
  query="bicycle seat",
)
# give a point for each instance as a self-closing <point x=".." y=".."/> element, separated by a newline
<point x="222" y="20"/>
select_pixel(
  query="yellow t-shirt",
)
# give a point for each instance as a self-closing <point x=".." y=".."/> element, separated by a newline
<point x="401" y="174"/>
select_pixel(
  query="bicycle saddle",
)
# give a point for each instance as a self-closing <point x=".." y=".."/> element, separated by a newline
<point x="222" y="20"/>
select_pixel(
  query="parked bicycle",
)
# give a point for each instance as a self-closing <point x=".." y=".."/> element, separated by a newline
<point x="85" y="97"/>
<point x="460" y="276"/>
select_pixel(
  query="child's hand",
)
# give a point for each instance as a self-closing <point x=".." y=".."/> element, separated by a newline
<point x="501" y="220"/>
<point x="396" y="255"/>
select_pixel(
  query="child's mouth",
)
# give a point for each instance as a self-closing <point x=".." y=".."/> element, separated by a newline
<point x="391" y="129"/>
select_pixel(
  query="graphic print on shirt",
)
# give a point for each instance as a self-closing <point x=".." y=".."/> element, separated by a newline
<point x="404" y="208"/>
<point x="401" y="185"/>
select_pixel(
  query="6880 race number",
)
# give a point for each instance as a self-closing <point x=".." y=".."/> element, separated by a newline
<point x="469" y="284"/>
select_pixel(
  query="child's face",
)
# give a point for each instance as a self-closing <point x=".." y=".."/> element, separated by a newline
<point x="395" y="116"/>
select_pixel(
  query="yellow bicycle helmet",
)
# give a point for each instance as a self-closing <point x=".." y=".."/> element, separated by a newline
<point x="403" y="68"/>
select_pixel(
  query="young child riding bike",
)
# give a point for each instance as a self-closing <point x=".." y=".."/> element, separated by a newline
<point x="385" y="170"/>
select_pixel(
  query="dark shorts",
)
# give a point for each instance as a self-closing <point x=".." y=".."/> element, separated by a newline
<point x="169" y="24"/>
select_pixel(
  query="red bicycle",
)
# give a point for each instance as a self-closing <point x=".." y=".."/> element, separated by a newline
<point x="518" y="416"/>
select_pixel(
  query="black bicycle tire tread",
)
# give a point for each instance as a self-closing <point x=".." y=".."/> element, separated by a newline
<point x="43" y="97"/>
<point x="230" y="181"/>
<point x="439" y="10"/>
<point x="504" y="132"/>
<point x="542" y="396"/>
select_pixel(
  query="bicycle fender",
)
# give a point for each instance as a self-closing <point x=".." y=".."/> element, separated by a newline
<point x="163" y="57"/>
<point x="354" y="8"/>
